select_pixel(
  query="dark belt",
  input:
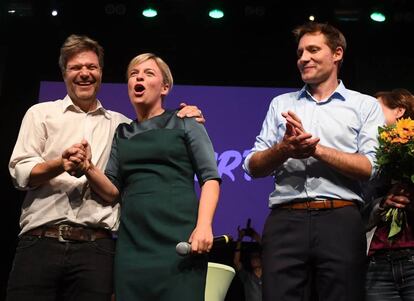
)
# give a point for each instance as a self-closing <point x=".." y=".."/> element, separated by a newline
<point x="66" y="233"/>
<point x="317" y="204"/>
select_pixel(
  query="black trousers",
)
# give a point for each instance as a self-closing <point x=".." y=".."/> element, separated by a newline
<point x="326" y="245"/>
<point x="45" y="269"/>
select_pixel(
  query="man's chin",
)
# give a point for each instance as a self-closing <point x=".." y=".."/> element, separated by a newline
<point x="309" y="80"/>
<point x="86" y="97"/>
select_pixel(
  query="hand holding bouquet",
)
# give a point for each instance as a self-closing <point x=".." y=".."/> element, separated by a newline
<point x="395" y="158"/>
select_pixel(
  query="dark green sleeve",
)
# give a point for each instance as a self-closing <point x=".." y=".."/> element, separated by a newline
<point x="201" y="151"/>
<point x="113" y="169"/>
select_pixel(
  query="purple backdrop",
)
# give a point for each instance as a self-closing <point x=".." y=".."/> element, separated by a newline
<point x="234" y="118"/>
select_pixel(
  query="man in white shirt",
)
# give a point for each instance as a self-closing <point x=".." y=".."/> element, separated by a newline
<point x="66" y="248"/>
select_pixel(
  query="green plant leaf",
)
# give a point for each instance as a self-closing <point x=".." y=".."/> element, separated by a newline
<point x="396" y="218"/>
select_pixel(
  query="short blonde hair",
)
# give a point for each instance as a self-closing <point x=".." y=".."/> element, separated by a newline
<point x="165" y="70"/>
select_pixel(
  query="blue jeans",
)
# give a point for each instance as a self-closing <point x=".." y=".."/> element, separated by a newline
<point x="390" y="278"/>
<point x="45" y="269"/>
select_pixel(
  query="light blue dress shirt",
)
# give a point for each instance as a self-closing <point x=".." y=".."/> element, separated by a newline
<point x="347" y="121"/>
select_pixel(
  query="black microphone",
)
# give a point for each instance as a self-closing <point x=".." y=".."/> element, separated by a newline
<point x="184" y="248"/>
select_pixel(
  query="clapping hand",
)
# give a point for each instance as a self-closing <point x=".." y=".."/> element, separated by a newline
<point x="300" y="143"/>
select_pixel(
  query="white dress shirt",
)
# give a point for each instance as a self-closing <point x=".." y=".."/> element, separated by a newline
<point x="46" y="131"/>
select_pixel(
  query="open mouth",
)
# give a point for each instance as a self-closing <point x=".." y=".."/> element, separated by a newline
<point x="84" y="83"/>
<point x="139" y="88"/>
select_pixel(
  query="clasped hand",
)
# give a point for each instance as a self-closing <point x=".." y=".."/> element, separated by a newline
<point x="298" y="143"/>
<point x="76" y="160"/>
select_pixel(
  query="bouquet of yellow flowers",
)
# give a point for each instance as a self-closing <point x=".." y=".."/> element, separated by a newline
<point x="395" y="158"/>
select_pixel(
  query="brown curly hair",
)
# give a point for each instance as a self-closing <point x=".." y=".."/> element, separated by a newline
<point x="398" y="98"/>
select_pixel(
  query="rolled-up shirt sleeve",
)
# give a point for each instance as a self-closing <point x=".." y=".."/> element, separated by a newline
<point x="28" y="149"/>
<point x="267" y="137"/>
<point x="368" y="136"/>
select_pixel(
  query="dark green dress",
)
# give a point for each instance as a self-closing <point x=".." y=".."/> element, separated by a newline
<point x="153" y="165"/>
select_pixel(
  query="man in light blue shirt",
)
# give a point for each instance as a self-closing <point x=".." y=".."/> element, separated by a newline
<point x="319" y="144"/>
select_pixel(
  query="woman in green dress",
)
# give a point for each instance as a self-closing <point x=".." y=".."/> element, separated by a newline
<point x="151" y="172"/>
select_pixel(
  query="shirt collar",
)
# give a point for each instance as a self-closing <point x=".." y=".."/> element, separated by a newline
<point x="339" y="93"/>
<point x="68" y="104"/>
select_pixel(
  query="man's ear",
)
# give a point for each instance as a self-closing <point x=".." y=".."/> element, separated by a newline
<point x="338" y="54"/>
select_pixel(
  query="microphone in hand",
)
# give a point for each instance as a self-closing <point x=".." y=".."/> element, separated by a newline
<point x="184" y="248"/>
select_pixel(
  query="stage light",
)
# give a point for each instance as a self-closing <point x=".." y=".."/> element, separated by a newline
<point x="216" y="13"/>
<point x="54" y="13"/>
<point x="311" y="18"/>
<point x="20" y="8"/>
<point x="378" y="16"/>
<point x="149" y="12"/>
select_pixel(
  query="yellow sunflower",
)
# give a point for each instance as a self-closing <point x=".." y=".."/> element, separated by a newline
<point x="405" y="128"/>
